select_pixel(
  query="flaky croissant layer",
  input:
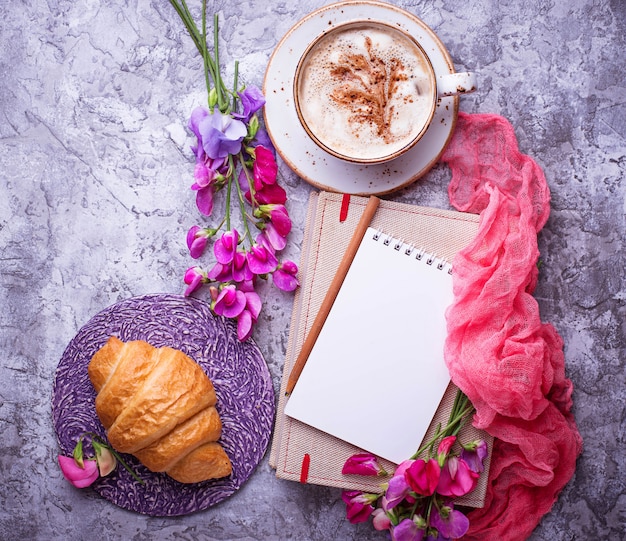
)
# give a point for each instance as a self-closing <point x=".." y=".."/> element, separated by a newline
<point x="159" y="405"/>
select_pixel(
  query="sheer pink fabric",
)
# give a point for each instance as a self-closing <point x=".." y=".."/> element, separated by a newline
<point x="509" y="363"/>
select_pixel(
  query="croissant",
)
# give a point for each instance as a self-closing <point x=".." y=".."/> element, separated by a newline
<point x="159" y="405"/>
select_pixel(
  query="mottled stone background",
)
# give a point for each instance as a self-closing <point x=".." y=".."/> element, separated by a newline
<point x="95" y="170"/>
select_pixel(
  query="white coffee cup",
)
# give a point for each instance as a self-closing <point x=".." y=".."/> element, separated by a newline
<point x="366" y="91"/>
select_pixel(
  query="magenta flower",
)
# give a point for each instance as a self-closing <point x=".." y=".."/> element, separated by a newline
<point x="250" y="313"/>
<point x="358" y="505"/>
<point x="79" y="476"/>
<point x="271" y="239"/>
<point x="240" y="268"/>
<point x="450" y="523"/>
<point x="423" y="476"/>
<point x="230" y="302"/>
<point x="261" y="260"/>
<point x="474" y="454"/>
<point x="444" y="448"/>
<point x="221" y="273"/>
<point x="456" y="479"/>
<point x="226" y="247"/>
<point x="278" y="215"/>
<point x="271" y="193"/>
<point x="197" y="239"/>
<point x="285" y="276"/>
<point x="363" y="464"/>
<point x="252" y="100"/>
<point x="408" y="530"/>
<point x="264" y="168"/>
<point x="194" y="278"/>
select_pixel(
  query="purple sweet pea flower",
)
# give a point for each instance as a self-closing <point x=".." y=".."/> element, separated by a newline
<point x="450" y="523"/>
<point x="79" y="476"/>
<point x="219" y="134"/>
<point x="252" y="100"/>
<point x="363" y="464"/>
<point x="474" y="454"/>
<point x="407" y="530"/>
<point x="398" y="487"/>
<point x="285" y="278"/>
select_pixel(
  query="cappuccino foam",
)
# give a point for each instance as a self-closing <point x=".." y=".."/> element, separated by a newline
<point x="366" y="91"/>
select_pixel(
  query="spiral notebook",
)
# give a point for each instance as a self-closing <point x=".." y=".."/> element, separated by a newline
<point x="302" y="452"/>
<point x="387" y="323"/>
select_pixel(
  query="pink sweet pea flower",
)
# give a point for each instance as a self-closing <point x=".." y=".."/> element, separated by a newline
<point x="194" y="278"/>
<point x="444" y="448"/>
<point x="221" y="273"/>
<point x="407" y="530"/>
<point x="363" y="464"/>
<point x="104" y="458"/>
<point x="225" y="247"/>
<point x="240" y="268"/>
<point x="250" y="313"/>
<point x="423" y="476"/>
<point x="278" y="215"/>
<point x="271" y="238"/>
<point x="261" y="260"/>
<point x="285" y="276"/>
<point x="358" y="505"/>
<point x="79" y="476"/>
<point x="450" y="523"/>
<point x="457" y="479"/>
<point x="230" y="302"/>
<point x="380" y="520"/>
<point x="197" y="239"/>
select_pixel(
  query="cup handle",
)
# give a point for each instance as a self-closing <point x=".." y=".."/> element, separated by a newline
<point x="452" y="84"/>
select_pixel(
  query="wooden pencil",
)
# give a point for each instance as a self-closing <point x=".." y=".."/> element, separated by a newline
<point x="333" y="290"/>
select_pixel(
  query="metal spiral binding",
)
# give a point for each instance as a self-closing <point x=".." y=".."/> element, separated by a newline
<point x="431" y="258"/>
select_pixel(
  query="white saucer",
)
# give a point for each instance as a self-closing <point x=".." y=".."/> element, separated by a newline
<point x="309" y="161"/>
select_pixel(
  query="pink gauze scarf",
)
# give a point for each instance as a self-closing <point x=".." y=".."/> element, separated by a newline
<point x="509" y="363"/>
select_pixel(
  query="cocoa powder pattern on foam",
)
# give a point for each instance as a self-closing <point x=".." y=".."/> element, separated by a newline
<point x="367" y="85"/>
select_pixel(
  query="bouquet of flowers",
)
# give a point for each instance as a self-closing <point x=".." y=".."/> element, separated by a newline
<point x="234" y="155"/>
<point x="417" y="503"/>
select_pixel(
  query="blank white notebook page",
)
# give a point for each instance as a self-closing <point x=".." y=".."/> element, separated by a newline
<point x="376" y="373"/>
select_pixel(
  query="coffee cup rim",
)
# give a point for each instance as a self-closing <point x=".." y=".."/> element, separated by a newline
<point x="357" y="160"/>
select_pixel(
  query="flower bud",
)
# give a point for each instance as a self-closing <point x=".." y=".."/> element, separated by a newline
<point x="212" y="98"/>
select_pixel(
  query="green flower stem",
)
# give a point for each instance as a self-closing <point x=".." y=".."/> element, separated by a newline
<point x="461" y="409"/>
<point x="231" y="173"/>
<point x="116" y="455"/>
<point x="235" y="83"/>
<point x="217" y="77"/>
<point x="242" y="204"/>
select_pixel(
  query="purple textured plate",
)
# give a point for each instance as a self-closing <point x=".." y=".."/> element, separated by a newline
<point x="243" y="385"/>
